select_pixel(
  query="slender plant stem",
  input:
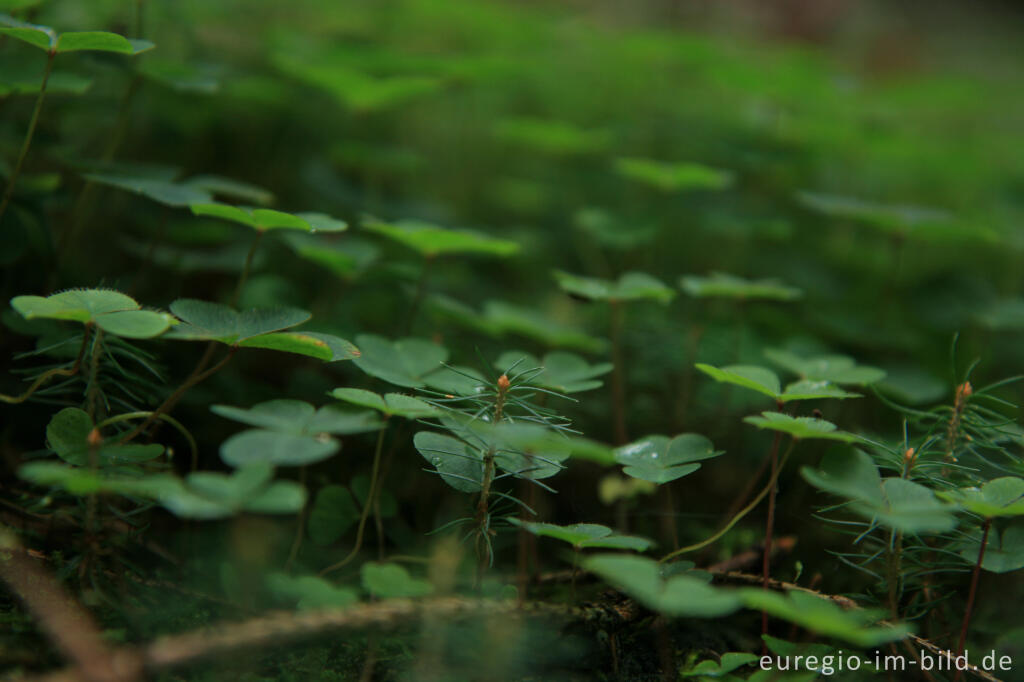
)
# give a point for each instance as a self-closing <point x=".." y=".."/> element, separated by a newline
<point x="739" y="516"/>
<point x="367" y="506"/>
<point x="29" y="134"/>
<point x="618" y="376"/>
<point x="300" y="529"/>
<point x="92" y="386"/>
<point x="893" y="562"/>
<point x="49" y="374"/>
<point x="769" y="525"/>
<point x="972" y="593"/>
<point x="483" y="517"/>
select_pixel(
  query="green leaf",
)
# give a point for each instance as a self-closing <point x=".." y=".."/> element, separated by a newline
<point x="659" y="459"/>
<point x="263" y="219"/>
<point x="1000" y="497"/>
<point x="112" y="311"/>
<point x="800" y="427"/>
<point x="353" y="89"/>
<point x="557" y="138"/>
<point x="825" y="617"/>
<point x="837" y="369"/>
<point x="166" y="192"/>
<point x="310" y="592"/>
<point x="404" y="362"/>
<point x="346" y="259"/>
<point x="678" y="595"/>
<point x="585" y="535"/>
<point x="392" y="581"/>
<point x="766" y="382"/>
<point x="563" y="372"/>
<point x="1004" y="551"/>
<point x="275" y="447"/>
<point x="758" y="379"/>
<point x="431" y="240"/>
<point x="300" y="418"/>
<point x="201" y="495"/>
<point x="221" y="186"/>
<point x="892" y="502"/>
<point x="206" y="321"/>
<point x="42" y="37"/>
<point x="68" y="434"/>
<point x="848" y="473"/>
<point x="391" y="404"/>
<point x="729" y="662"/>
<point x="722" y="285"/>
<point x="291" y="342"/>
<point x="333" y="512"/>
<point x="673" y="177"/>
<point x="460" y="465"/>
<point x="632" y="286"/>
<point x="101" y="41"/>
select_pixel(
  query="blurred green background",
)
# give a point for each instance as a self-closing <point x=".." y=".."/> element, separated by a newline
<point x="868" y="154"/>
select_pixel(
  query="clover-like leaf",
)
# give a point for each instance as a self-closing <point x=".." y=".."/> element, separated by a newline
<point x="404" y="362"/>
<point x="256" y="328"/>
<point x="310" y="592"/>
<point x="997" y="498"/>
<point x="632" y="286"/>
<point x="346" y="259"/>
<point x="837" y="369"/>
<point x="557" y="138"/>
<point x="659" y="459"/>
<point x="353" y="89"/>
<point x="392" y="581"/>
<point x="1004" y="551"/>
<point x="460" y="465"/>
<point x="110" y="310"/>
<point x="560" y="370"/>
<point x="800" y="428"/>
<point x="263" y="219"/>
<point x="391" y="404"/>
<point x="847" y="473"/>
<point x="291" y="432"/>
<point x="585" y="535"/>
<point x="68" y="436"/>
<point x="825" y="617"/>
<point x="206" y="321"/>
<point x="47" y="38"/>
<point x="201" y="495"/>
<point x="766" y="382"/>
<point x="722" y="285"/>
<point x="673" y="177"/>
<point x="161" y="190"/>
<point x="729" y="662"/>
<point x="892" y="502"/>
<point x="681" y="594"/>
<point x="432" y="240"/>
<point x="755" y="378"/>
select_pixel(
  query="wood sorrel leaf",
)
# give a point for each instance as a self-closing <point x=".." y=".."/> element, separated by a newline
<point x="673" y="177"/>
<point x="722" y="285"/>
<point x="659" y="459"/>
<point x="585" y="535"/>
<point x="431" y="240"/>
<point x="632" y="286"/>
<point x="110" y="310"/>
